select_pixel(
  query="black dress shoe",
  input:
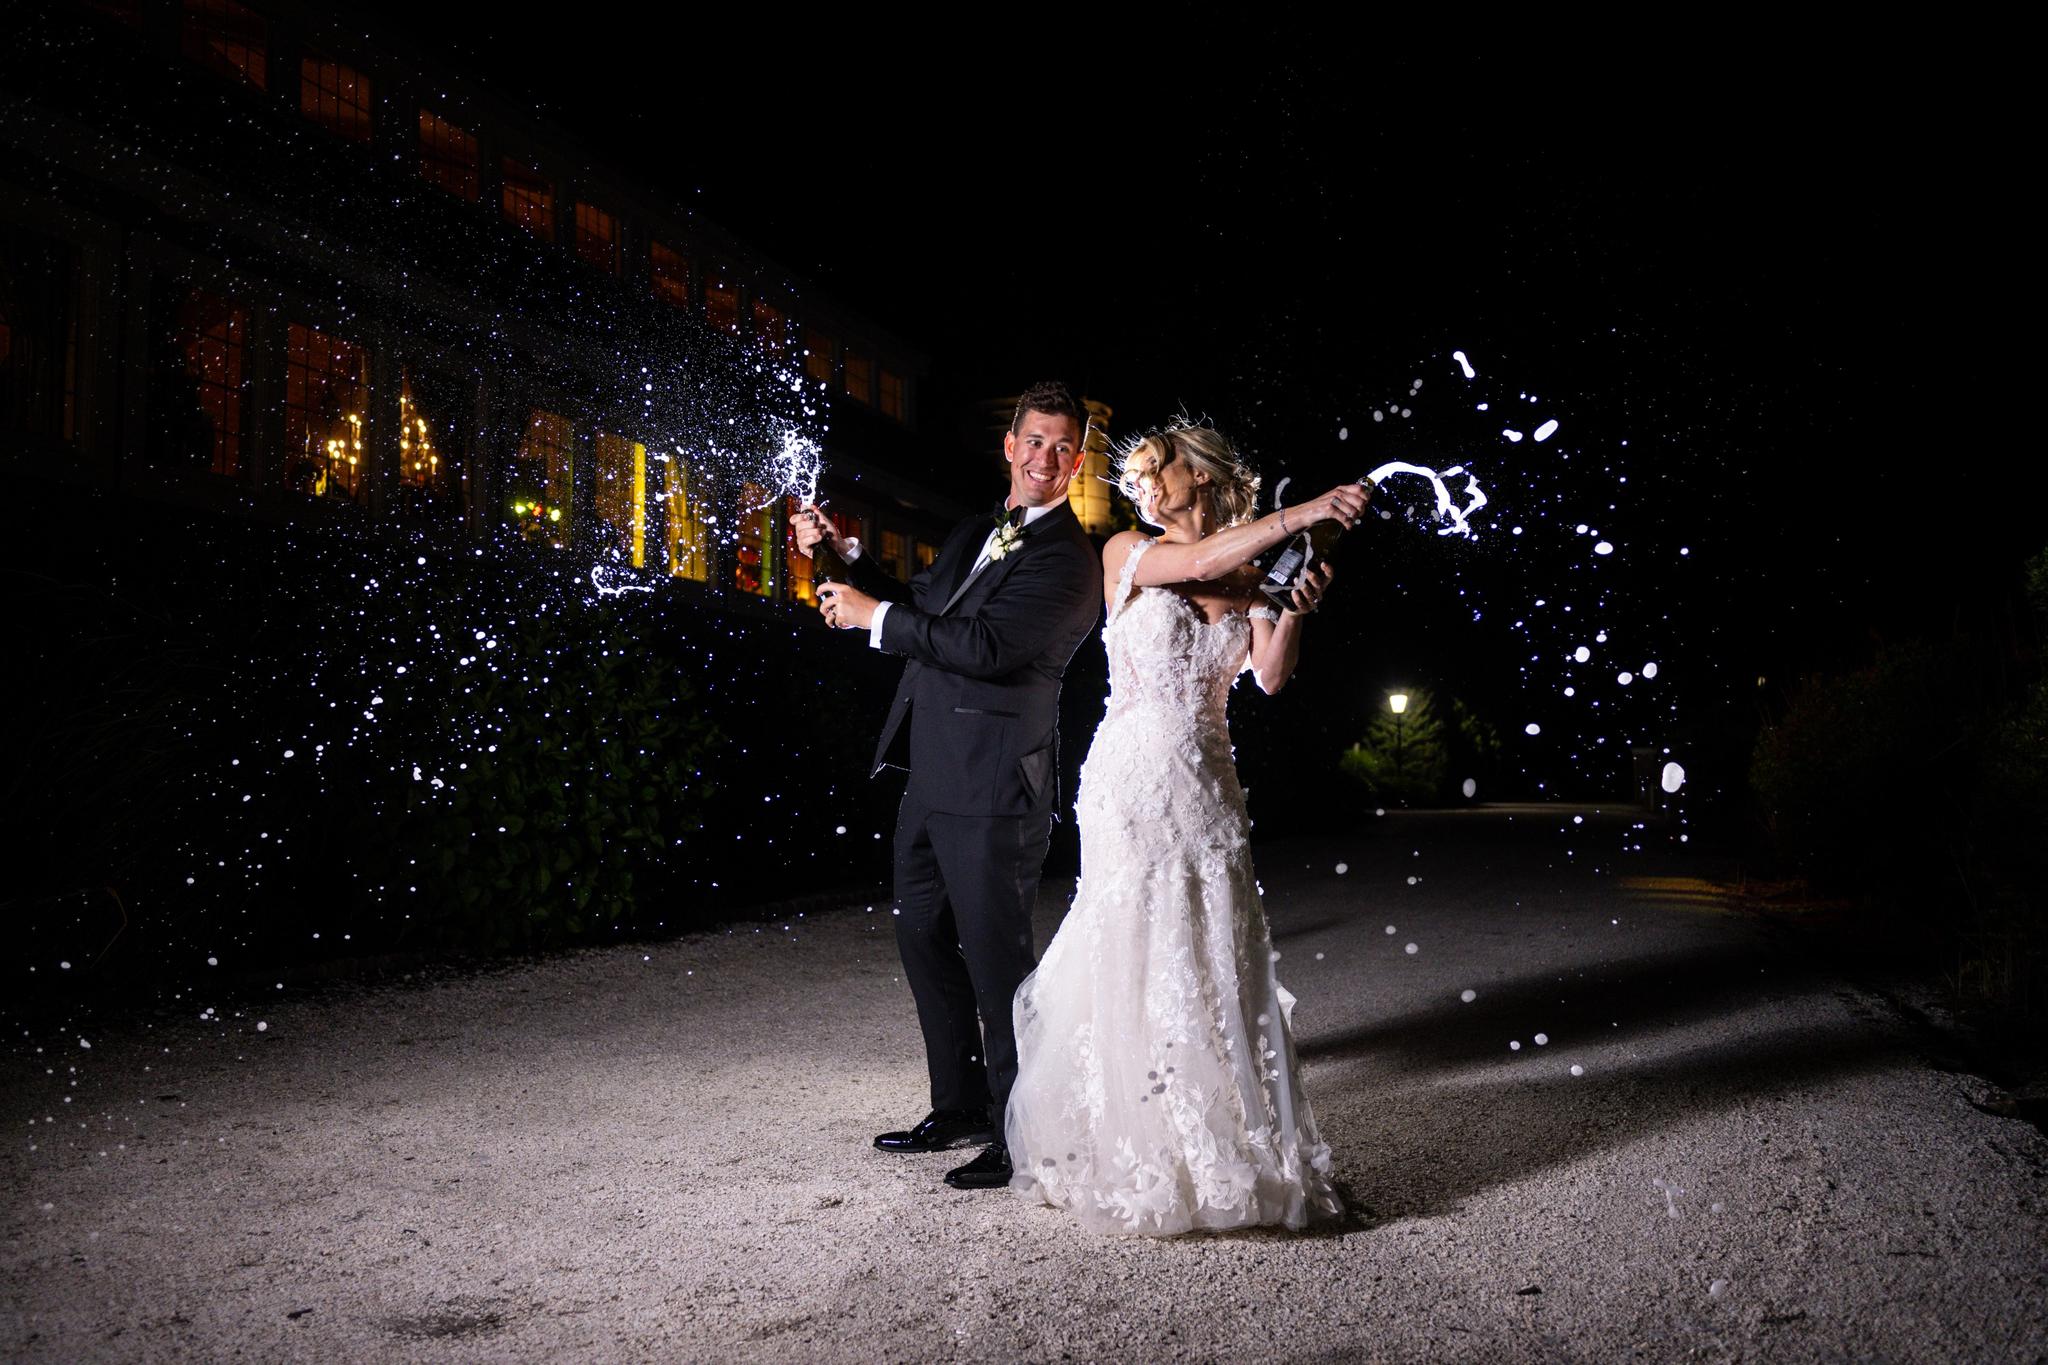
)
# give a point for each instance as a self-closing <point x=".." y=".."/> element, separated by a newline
<point x="942" y="1128"/>
<point x="989" y="1171"/>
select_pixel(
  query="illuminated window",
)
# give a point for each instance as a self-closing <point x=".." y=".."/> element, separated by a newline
<point x="892" y="394"/>
<point x="670" y="273"/>
<point x="926" y="554"/>
<point x="818" y="355"/>
<point x="801" y="586"/>
<point x="448" y="157"/>
<point x="721" y="301"/>
<point x="860" y="375"/>
<point x="597" y="238"/>
<point x="752" y="569"/>
<point x="688" y="540"/>
<point x="622" y="496"/>
<point x="421" y="464"/>
<point x="529" y="199"/>
<point x="211" y="336"/>
<point x="227" y="39"/>
<point x="542" y="470"/>
<point x="771" y="328"/>
<point x="336" y="97"/>
<point x="326" y="392"/>
<point x="894" y="555"/>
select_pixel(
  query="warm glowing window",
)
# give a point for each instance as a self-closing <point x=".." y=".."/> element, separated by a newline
<point x="894" y="555"/>
<point x="670" y="273"/>
<point x="817" y="355"/>
<point x="926" y="554"/>
<point x="326" y="392"/>
<point x="448" y="156"/>
<point x="753" y="570"/>
<point x="529" y="199"/>
<point x="597" y="238"/>
<point x="622" y="496"/>
<point x="542" y="471"/>
<point x="800" y="581"/>
<point x="228" y="39"/>
<point x="860" y="375"/>
<point x="771" y="327"/>
<point x="721" y="301"/>
<point x="336" y="97"/>
<point x="892" y="394"/>
<point x="422" y="464"/>
<point x="688" y="539"/>
<point x="211" y="336"/>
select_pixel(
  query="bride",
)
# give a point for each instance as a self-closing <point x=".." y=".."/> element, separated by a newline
<point x="1158" y="1090"/>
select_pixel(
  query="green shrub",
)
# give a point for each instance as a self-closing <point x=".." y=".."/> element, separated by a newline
<point x="596" y="777"/>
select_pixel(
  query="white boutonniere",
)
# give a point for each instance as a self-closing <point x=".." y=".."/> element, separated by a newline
<point x="1008" y="537"/>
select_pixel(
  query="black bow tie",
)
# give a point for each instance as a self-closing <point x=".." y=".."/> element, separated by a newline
<point x="1013" y="517"/>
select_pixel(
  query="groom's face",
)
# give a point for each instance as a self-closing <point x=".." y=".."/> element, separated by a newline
<point x="1044" y="454"/>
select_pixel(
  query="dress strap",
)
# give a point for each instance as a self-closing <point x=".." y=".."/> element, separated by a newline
<point x="1262" y="612"/>
<point x="1123" y="580"/>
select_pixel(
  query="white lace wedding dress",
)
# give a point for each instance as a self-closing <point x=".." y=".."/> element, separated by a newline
<point x="1158" y="1090"/>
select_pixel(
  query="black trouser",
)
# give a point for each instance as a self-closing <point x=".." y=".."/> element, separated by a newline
<point x="965" y="888"/>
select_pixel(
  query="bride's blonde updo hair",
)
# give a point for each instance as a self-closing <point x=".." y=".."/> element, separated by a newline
<point x="1232" y="490"/>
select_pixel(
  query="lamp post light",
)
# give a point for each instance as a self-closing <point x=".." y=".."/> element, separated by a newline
<point x="1397" y="702"/>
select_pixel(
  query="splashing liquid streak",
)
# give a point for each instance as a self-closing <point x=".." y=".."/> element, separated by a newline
<point x="1457" y="517"/>
<point x="794" y="468"/>
<point x="604" y="590"/>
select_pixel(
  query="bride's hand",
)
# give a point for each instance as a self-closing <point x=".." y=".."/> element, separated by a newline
<point x="1314" y="584"/>
<point x="1345" y="503"/>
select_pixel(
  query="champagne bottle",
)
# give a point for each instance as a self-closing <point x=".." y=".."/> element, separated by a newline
<point x="827" y="566"/>
<point x="1285" y="572"/>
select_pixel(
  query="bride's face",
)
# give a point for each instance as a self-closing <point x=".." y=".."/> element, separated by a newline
<point x="1170" y="493"/>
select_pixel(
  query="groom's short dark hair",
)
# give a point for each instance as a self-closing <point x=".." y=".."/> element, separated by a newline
<point x="1053" y="397"/>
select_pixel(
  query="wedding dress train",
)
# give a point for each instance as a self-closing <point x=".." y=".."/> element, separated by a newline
<point x="1158" y="1090"/>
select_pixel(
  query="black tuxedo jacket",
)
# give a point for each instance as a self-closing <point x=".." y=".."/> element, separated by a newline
<point x="976" y="716"/>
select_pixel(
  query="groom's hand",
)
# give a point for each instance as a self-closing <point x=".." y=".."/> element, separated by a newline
<point x="845" y="607"/>
<point x="811" y="526"/>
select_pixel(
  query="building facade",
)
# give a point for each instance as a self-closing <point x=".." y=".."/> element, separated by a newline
<point x="262" y="258"/>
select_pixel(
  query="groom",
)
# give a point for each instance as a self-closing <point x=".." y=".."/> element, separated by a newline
<point x="989" y="628"/>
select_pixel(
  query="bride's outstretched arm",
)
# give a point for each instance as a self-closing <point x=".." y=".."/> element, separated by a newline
<point x="1211" y="557"/>
<point x="1276" y="645"/>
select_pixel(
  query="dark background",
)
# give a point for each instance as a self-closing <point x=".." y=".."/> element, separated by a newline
<point x="1775" y="296"/>
<point x="1786" y="272"/>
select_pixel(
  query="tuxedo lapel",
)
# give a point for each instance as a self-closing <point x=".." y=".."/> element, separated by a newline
<point x="993" y="574"/>
<point x="957" y="560"/>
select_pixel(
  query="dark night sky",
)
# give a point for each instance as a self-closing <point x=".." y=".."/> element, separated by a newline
<point x="1778" y="272"/>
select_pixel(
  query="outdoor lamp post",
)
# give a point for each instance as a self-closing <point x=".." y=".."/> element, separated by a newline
<point x="1397" y="702"/>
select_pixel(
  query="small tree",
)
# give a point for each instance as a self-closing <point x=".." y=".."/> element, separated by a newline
<point x="1402" y="757"/>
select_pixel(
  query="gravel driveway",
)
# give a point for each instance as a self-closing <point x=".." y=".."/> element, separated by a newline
<point x="663" y="1152"/>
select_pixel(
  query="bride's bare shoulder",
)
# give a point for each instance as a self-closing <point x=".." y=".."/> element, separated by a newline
<point x="1117" y="549"/>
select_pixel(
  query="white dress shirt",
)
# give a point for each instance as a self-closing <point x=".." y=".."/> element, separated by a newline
<point x="981" y="560"/>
